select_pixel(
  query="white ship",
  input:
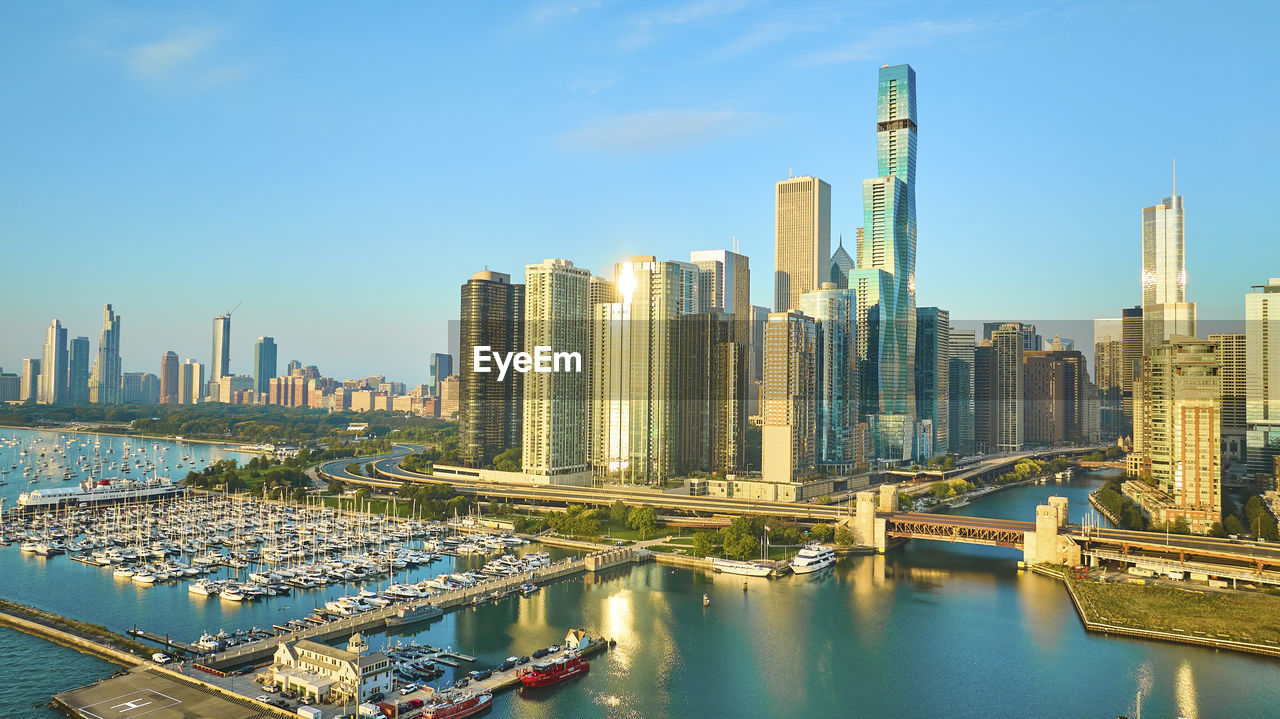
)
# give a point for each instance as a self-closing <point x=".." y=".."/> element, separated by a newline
<point x="733" y="566"/>
<point x="102" y="491"/>
<point x="813" y="558"/>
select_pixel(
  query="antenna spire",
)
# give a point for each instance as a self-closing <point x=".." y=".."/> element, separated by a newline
<point x="1175" y="176"/>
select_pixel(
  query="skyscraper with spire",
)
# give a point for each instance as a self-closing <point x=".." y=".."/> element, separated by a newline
<point x="888" y="245"/>
<point x="1165" y="310"/>
<point x="104" y="386"/>
<point x="841" y="263"/>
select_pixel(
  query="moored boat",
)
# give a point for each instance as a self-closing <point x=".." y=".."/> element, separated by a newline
<point x="449" y="705"/>
<point x="813" y="558"/>
<point x="545" y="673"/>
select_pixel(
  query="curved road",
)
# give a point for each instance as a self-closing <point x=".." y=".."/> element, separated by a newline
<point x="338" y="468"/>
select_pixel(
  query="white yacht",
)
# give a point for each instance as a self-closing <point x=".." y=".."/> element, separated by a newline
<point x="813" y="558"/>
<point x="203" y="587"/>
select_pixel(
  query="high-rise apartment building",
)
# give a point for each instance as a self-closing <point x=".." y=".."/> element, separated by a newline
<point x="1181" y="410"/>
<point x="190" y="382"/>
<point x="889" y="244"/>
<point x="636" y="406"/>
<point x="724" y="283"/>
<point x="960" y="371"/>
<point x="53" y="368"/>
<point x="1131" y="352"/>
<point x="169" y="383"/>
<point x="10" y="386"/>
<point x="789" y="437"/>
<point x="1108" y="361"/>
<point x="221" y="347"/>
<point x="1007" y="343"/>
<point x="29" y="390"/>
<point x="933" y="345"/>
<point x="802" y="239"/>
<point x="78" y="371"/>
<point x="105" y="385"/>
<point x="1165" y="310"/>
<point x="709" y="381"/>
<point x="755" y="374"/>
<point x="986" y="382"/>
<point x="489" y="408"/>
<point x="1262" y="377"/>
<point x="442" y="366"/>
<point x="1055" y="397"/>
<point x="554" y="422"/>
<point x="1232" y="352"/>
<point x="264" y="363"/>
<point x="834" y="313"/>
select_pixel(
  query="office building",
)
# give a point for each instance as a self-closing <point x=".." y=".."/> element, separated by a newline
<point x="636" y="406"/>
<point x="755" y="375"/>
<point x="834" y="313"/>
<point x="105" y="385"/>
<point x="53" y="368"/>
<point x="789" y="437"/>
<point x="960" y="371"/>
<point x="1165" y="310"/>
<point x="841" y="264"/>
<point x="190" y="382"/>
<point x="10" y="387"/>
<point x="1108" y="362"/>
<point x="1262" y="377"/>
<point x="889" y="244"/>
<point x="221" y="347"/>
<point x="1055" y="397"/>
<point x="29" y="391"/>
<point x="78" y="371"/>
<point x="291" y="367"/>
<point x="1131" y="352"/>
<point x="724" y="283"/>
<point x="802" y="239"/>
<point x="264" y="364"/>
<point x="169" y="383"/>
<point x="1232" y="352"/>
<point x="489" y="408"/>
<point x="441" y="367"/>
<point x="1031" y="340"/>
<point x="554" y="423"/>
<point x="933" y="345"/>
<point x="709" y="381"/>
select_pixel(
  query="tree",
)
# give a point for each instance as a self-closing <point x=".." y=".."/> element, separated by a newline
<point x="843" y="536"/>
<point x="821" y="532"/>
<point x="618" y="512"/>
<point x="508" y="460"/>
<point x="300" y="494"/>
<point x="1232" y="525"/>
<point x="703" y="543"/>
<point x="644" y="520"/>
<point x="362" y="496"/>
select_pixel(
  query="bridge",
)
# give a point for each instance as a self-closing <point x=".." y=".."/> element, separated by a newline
<point x="952" y="528"/>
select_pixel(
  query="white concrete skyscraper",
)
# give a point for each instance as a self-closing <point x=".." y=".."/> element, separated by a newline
<point x="1165" y="310"/>
<point x="1262" y="378"/>
<point x="54" y="385"/>
<point x="802" y="239"/>
<point x="221" y="348"/>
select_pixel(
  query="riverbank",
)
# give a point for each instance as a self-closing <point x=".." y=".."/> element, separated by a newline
<point x="1176" y="614"/>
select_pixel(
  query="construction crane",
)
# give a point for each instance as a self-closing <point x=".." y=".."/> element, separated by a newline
<point x="233" y="309"/>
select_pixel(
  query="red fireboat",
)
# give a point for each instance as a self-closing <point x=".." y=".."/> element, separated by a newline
<point x="555" y="671"/>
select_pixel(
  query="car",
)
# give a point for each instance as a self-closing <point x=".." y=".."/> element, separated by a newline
<point x="553" y="649"/>
<point x="480" y="674"/>
<point x="506" y="666"/>
<point x="408" y="689"/>
<point x="279" y="703"/>
<point x="415" y="703"/>
<point x="522" y="660"/>
<point x="513" y="660"/>
<point x="271" y="689"/>
<point x="461" y="683"/>
<point x="619" y="543"/>
<point x="375" y="697"/>
<point x="540" y="653"/>
<point x="262" y="698"/>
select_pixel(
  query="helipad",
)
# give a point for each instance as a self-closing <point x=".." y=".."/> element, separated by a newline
<point x="152" y="694"/>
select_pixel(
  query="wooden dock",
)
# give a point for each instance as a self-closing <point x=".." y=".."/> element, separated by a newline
<point x="163" y="641"/>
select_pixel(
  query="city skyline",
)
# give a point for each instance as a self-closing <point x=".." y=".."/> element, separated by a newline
<point x="627" y="134"/>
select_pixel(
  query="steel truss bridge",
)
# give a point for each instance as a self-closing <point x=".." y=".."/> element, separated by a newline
<point x="953" y="528"/>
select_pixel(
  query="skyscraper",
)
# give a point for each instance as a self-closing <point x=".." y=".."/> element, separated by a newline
<point x="169" y="378"/>
<point x="789" y="436"/>
<point x="933" y="375"/>
<point x="802" y="239"/>
<point x="264" y="364"/>
<point x="1131" y="351"/>
<point x="834" y="312"/>
<point x="1232" y="351"/>
<point x="190" y="382"/>
<point x="78" y="371"/>
<point x="221" y="347"/>
<point x="1262" y="377"/>
<point x="105" y="386"/>
<point x="841" y="263"/>
<point x="1165" y="310"/>
<point x="53" y="368"/>
<point x="1007" y="343"/>
<point x="636" y="407"/>
<point x="960" y="392"/>
<point x="889" y="244"/>
<point x="755" y="374"/>
<point x="1108" y="344"/>
<point x="1055" y="383"/>
<point x="442" y="365"/>
<point x="489" y="409"/>
<point x="724" y="282"/>
<point x="554" y="425"/>
<point x="29" y="390"/>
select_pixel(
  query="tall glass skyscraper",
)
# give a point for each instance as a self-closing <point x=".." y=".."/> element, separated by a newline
<point x="834" y="312"/>
<point x="264" y="364"/>
<point x="78" y="370"/>
<point x="105" y="387"/>
<point x="888" y="243"/>
<point x="1165" y="310"/>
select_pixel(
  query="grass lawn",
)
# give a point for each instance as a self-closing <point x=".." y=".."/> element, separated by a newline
<point x="1243" y="616"/>
<point x="609" y="530"/>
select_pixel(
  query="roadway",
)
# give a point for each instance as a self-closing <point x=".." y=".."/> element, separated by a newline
<point x="338" y="468"/>
<point x="1255" y="554"/>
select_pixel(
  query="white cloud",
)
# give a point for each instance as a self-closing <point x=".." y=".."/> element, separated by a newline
<point x="660" y="130"/>
<point x="874" y="45"/>
<point x="160" y="60"/>
<point x="593" y="85"/>
<point x="646" y="28"/>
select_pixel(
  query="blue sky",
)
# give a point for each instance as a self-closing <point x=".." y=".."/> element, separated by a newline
<point x="342" y="169"/>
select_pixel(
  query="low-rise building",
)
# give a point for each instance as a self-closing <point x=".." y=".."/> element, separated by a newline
<point x="321" y="673"/>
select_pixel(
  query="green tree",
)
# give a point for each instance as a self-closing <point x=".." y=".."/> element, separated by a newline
<point x="508" y="460"/>
<point x="821" y="532"/>
<point x="1232" y="525"/>
<point x="704" y="543"/>
<point x="843" y="536"/>
<point x="362" y="496"/>
<point x="300" y="494"/>
<point x="644" y="520"/>
<point x="618" y="512"/>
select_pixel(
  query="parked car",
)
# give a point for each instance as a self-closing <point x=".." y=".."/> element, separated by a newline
<point x="415" y="703"/>
<point x="522" y="660"/>
<point x="262" y="698"/>
<point x="506" y="666"/>
<point x="408" y="689"/>
<point x="375" y="697"/>
<point x="540" y="653"/>
<point x="461" y="683"/>
<point x="480" y="674"/>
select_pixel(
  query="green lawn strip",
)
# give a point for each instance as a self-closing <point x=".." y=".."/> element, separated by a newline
<point x="1243" y="617"/>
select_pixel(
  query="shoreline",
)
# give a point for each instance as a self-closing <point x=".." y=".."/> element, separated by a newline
<point x="169" y="438"/>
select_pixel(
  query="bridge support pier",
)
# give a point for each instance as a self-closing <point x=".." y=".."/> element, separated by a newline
<point x="868" y="529"/>
<point x="888" y="498"/>
<point x="1046" y="545"/>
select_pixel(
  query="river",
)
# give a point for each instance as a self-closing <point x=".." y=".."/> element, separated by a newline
<point x="929" y="630"/>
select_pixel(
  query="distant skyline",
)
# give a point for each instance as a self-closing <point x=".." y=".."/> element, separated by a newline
<point x="343" y="172"/>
